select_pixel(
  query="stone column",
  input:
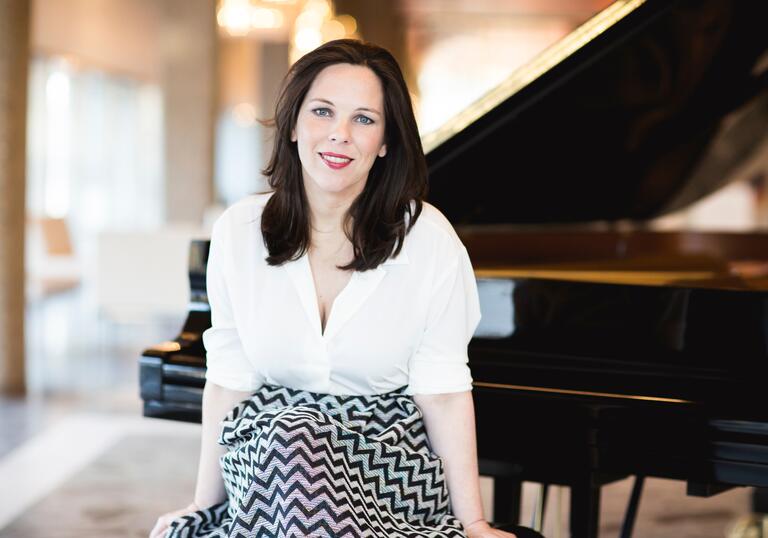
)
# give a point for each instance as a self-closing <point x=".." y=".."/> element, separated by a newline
<point x="14" y="57"/>
<point x="188" y="70"/>
<point x="274" y="65"/>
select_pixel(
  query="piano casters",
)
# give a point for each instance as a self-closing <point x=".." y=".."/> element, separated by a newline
<point x="754" y="525"/>
<point x="751" y="526"/>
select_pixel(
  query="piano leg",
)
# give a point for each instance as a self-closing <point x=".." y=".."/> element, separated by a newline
<point x="631" y="513"/>
<point x="585" y="508"/>
<point x="506" y="499"/>
<point x="541" y="505"/>
<point x="760" y="500"/>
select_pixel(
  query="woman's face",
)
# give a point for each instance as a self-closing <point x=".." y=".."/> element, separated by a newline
<point x="340" y="130"/>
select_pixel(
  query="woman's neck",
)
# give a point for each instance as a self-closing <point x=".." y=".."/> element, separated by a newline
<point x="327" y="211"/>
<point x="327" y="219"/>
<point x="327" y="238"/>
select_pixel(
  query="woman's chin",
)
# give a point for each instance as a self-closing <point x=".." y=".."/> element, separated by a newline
<point x="338" y="188"/>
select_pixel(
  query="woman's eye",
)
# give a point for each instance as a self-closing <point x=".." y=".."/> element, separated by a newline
<point x="365" y="120"/>
<point x="321" y="112"/>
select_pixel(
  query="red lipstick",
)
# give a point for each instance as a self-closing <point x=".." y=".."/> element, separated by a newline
<point x="335" y="161"/>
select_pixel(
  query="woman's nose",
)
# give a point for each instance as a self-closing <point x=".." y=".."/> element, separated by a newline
<point x="339" y="133"/>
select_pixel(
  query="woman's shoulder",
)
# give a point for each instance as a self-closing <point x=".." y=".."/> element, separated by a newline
<point x="433" y="240"/>
<point x="432" y="225"/>
<point x="245" y="211"/>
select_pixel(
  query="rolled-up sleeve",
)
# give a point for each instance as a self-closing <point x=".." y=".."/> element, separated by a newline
<point x="439" y="364"/>
<point x="226" y="361"/>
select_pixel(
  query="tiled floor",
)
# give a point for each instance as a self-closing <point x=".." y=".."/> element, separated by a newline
<point x="78" y="453"/>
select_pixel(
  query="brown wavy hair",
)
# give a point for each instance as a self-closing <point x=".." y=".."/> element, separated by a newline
<point x="375" y="222"/>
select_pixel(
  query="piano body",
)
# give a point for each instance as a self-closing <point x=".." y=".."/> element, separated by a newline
<point x="172" y="373"/>
<point x="606" y="349"/>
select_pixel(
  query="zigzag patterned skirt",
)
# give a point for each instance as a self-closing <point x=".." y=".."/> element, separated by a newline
<point x="301" y="464"/>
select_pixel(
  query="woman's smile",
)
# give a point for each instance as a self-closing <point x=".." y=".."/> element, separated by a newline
<point x="335" y="160"/>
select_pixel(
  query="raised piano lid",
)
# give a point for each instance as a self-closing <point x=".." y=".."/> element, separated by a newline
<point x="644" y="109"/>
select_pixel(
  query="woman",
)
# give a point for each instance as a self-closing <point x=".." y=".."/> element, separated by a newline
<point x="341" y="305"/>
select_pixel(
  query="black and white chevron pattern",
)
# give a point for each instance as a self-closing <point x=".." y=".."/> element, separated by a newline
<point x="307" y="464"/>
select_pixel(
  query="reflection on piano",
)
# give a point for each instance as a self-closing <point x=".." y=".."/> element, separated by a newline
<point x="606" y="350"/>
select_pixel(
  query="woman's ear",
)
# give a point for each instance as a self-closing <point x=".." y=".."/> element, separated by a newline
<point x="293" y="135"/>
<point x="383" y="150"/>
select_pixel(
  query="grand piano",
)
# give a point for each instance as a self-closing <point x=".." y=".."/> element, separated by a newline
<point x="607" y="348"/>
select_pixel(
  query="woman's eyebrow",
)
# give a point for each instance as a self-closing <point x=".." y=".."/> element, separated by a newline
<point x="359" y="108"/>
<point x="369" y="110"/>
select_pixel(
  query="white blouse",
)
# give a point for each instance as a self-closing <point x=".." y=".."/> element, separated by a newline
<point x="407" y="322"/>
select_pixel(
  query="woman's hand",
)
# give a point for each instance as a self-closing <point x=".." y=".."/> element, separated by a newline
<point x="164" y="521"/>
<point x="481" y="529"/>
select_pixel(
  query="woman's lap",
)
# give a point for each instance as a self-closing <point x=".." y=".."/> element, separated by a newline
<point x="302" y="463"/>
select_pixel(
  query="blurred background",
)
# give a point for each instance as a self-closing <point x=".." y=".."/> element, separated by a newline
<point x="126" y="127"/>
<point x="141" y="127"/>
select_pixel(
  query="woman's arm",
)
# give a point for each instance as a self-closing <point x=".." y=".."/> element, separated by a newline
<point x="450" y="422"/>
<point x="217" y="402"/>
